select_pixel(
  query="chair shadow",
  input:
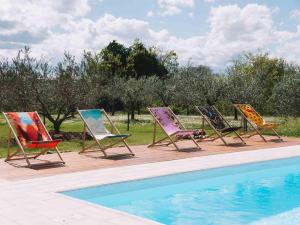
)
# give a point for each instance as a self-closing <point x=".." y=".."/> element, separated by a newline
<point x="37" y="164"/>
<point x="172" y="149"/>
<point x="110" y="157"/>
<point x="276" y="140"/>
<point x="236" y="145"/>
<point x="190" y="150"/>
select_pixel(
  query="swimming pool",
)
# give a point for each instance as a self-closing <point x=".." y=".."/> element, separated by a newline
<point x="234" y="195"/>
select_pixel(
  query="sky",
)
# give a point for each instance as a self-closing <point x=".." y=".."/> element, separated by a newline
<point x="207" y="32"/>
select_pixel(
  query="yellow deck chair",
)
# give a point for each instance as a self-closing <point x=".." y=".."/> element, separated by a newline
<point x="256" y="121"/>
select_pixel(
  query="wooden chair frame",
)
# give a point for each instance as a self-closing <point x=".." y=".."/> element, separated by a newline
<point x="168" y="136"/>
<point x="217" y="134"/>
<point x="22" y="149"/>
<point x="86" y="129"/>
<point x="256" y="129"/>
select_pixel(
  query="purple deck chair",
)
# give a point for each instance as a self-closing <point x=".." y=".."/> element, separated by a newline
<point x="173" y="129"/>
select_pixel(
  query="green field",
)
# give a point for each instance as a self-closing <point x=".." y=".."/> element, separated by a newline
<point x="141" y="129"/>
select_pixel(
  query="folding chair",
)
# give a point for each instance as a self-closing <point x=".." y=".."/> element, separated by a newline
<point x="30" y="133"/>
<point x="256" y="121"/>
<point x="93" y="124"/>
<point x="171" y="126"/>
<point x="218" y="123"/>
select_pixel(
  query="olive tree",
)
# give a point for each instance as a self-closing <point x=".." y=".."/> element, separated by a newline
<point x="287" y="94"/>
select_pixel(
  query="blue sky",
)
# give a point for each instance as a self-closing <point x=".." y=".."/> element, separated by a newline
<point x="209" y="32"/>
<point x="183" y="24"/>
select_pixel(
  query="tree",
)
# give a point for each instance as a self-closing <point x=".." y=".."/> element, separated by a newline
<point x="7" y="82"/>
<point x="252" y="78"/>
<point x="286" y="93"/>
<point x="136" y="93"/>
<point x="19" y="77"/>
<point x="195" y="86"/>
<point x="59" y="90"/>
<point x="145" y="62"/>
<point x="114" y="58"/>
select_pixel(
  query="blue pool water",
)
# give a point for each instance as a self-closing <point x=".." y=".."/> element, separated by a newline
<point x="230" y="195"/>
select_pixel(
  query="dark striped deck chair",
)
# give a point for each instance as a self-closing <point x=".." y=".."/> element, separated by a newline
<point x="30" y="134"/>
<point x="218" y="123"/>
<point x="94" y="125"/>
<point x="172" y="128"/>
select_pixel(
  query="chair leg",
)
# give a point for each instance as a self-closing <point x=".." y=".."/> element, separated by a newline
<point x="41" y="153"/>
<point x="195" y="142"/>
<point x="59" y="155"/>
<point x="222" y="138"/>
<point x="276" y="134"/>
<point x="9" y="156"/>
<point x="25" y="156"/>
<point x="156" y="142"/>
<point x="104" y="153"/>
<point x="258" y="132"/>
<point x="173" y="142"/>
<point x="129" y="149"/>
<point x="240" y="137"/>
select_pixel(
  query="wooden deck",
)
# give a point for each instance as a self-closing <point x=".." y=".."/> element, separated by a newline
<point x="92" y="161"/>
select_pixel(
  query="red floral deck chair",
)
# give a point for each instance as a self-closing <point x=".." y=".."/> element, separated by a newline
<point x="256" y="121"/>
<point x="29" y="133"/>
<point x="173" y="129"/>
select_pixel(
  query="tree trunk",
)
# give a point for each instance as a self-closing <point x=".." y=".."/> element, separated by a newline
<point x="245" y="125"/>
<point x="73" y="114"/>
<point x="113" y="109"/>
<point x="235" y="114"/>
<point x="44" y="119"/>
<point x="128" y="120"/>
<point x="187" y="110"/>
<point x="56" y="126"/>
<point x="139" y="110"/>
<point x="132" y="114"/>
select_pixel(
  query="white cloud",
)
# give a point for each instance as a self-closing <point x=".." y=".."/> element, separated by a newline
<point x="94" y="35"/>
<point x="31" y="22"/>
<point x="295" y="14"/>
<point x="209" y="1"/>
<point x="233" y="30"/>
<point x="174" y="7"/>
<point x="58" y="27"/>
<point x="150" y="13"/>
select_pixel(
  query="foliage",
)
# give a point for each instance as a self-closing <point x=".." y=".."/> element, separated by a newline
<point x="120" y="78"/>
<point x="287" y="94"/>
<point x="252" y="78"/>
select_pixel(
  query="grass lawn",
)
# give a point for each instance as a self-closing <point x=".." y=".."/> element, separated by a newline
<point x="141" y="129"/>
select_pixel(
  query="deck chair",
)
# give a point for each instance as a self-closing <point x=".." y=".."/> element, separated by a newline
<point x="93" y="124"/>
<point x="218" y="123"/>
<point x="173" y="129"/>
<point x="29" y="133"/>
<point x="256" y="121"/>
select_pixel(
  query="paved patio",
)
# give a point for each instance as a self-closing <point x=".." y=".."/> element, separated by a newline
<point x="93" y="161"/>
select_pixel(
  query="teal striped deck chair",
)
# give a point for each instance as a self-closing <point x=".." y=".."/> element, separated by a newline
<point x="94" y="125"/>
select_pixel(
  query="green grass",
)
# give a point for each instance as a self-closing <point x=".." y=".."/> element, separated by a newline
<point x="141" y="129"/>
